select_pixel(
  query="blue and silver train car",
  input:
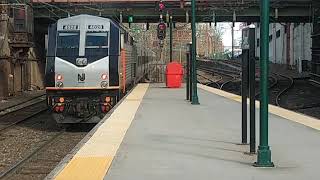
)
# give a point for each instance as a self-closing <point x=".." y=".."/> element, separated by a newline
<point x="86" y="71"/>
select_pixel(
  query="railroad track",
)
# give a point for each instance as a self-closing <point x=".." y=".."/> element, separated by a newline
<point x="15" y="117"/>
<point x="22" y="105"/>
<point x="33" y="149"/>
<point x="211" y="82"/>
<point x="273" y="81"/>
<point x="39" y="162"/>
<point x="290" y="83"/>
<point x="33" y="153"/>
<point x="280" y="86"/>
<point x="226" y="76"/>
<point x="293" y="94"/>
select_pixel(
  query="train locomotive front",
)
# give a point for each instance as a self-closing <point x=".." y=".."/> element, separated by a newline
<point x="83" y="69"/>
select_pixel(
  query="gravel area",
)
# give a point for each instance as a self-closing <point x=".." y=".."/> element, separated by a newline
<point x="39" y="166"/>
<point x="21" y="140"/>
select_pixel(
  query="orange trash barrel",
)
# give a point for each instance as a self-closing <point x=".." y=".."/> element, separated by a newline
<point x="174" y="74"/>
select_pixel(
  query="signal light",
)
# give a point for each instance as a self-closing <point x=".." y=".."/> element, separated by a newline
<point x="61" y="99"/>
<point x="57" y="108"/>
<point x="161" y="6"/>
<point x="162" y="26"/>
<point x="130" y="19"/>
<point x="161" y="31"/>
<point x="105" y="108"/>
<point x="61" y="108"/>
<point x="108" y="99"/>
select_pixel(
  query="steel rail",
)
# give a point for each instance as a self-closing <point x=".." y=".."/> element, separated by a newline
<point x="29" y="156"/>
<point x="25" y="118"/>
<point x="283" y="91"/>
<point x="211" y="81"/>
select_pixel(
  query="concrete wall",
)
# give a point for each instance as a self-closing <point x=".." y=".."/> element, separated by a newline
<point x="300" y="43"/>
<point x="4" y="52"/>
<point x="20" y="68"/>
<point x="35" y="69"/>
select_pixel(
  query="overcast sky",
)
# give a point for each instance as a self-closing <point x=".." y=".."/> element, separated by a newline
<point x="226" y="29"/>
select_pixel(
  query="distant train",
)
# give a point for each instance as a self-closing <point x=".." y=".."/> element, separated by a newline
<point x="91" y="61"/>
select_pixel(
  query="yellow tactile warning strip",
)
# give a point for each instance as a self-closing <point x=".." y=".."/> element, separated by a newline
<point x="290" y="115"/>
<point x="94" y="158"/>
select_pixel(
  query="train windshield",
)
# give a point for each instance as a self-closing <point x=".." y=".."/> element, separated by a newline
<point x="97" y="40"/>
<point x="96" y="45"/>
<point x="68" y="45"/>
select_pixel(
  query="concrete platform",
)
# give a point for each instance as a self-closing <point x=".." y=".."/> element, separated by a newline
<point x="171" y="139"/>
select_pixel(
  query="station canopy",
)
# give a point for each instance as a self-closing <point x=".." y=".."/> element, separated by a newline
<point x="147" y="11"/>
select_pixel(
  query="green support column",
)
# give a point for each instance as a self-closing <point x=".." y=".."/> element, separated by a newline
<point x="195" y="99"/>
<point x="264" y="152"/>
<point x="171" y="24"/>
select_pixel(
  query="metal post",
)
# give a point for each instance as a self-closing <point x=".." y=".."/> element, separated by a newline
<point x="187" y="76"/>
<point x="195" y="99"/>
<point x="171" y="24"/>
<point x="252" y="82"/>
<point x="190" y="71"/>
<point x="264" y="152"/>
<point x="232" y="41"/>
<point x="244" y="94"/>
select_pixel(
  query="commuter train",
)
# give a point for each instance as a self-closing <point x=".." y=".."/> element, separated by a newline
<point x="91" y="61"/>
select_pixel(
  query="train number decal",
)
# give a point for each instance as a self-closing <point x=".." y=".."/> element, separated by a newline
<point x="70" y="27"/>
<point x="81" y="77"/>
<point x="95" y="27"/>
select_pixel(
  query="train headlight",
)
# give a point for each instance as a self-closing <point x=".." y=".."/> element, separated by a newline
<point x="81" y="61"/>
<point x="59" y="77"/>
<point x="59" y="84"/>
<point x="104" y="84"/>
<point x="104" y="76"/>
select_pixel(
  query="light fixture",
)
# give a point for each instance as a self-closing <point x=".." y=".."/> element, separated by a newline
<point x="104" y="76"/>
<point x="104" y="84"/>
<point x="59" y="84"/>
<point x="59" y="77"/>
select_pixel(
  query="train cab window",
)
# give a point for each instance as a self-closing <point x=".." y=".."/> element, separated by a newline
<point x="68" y="45"/>
<point x="96" y="46"/>
<point x="68" y="40"/>
<point x="97" y="40"/>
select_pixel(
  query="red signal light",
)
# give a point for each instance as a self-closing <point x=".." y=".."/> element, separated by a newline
<point x="161" y="6"/>
<point x="161" y="31"/>
<point x="162" y="26"/>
